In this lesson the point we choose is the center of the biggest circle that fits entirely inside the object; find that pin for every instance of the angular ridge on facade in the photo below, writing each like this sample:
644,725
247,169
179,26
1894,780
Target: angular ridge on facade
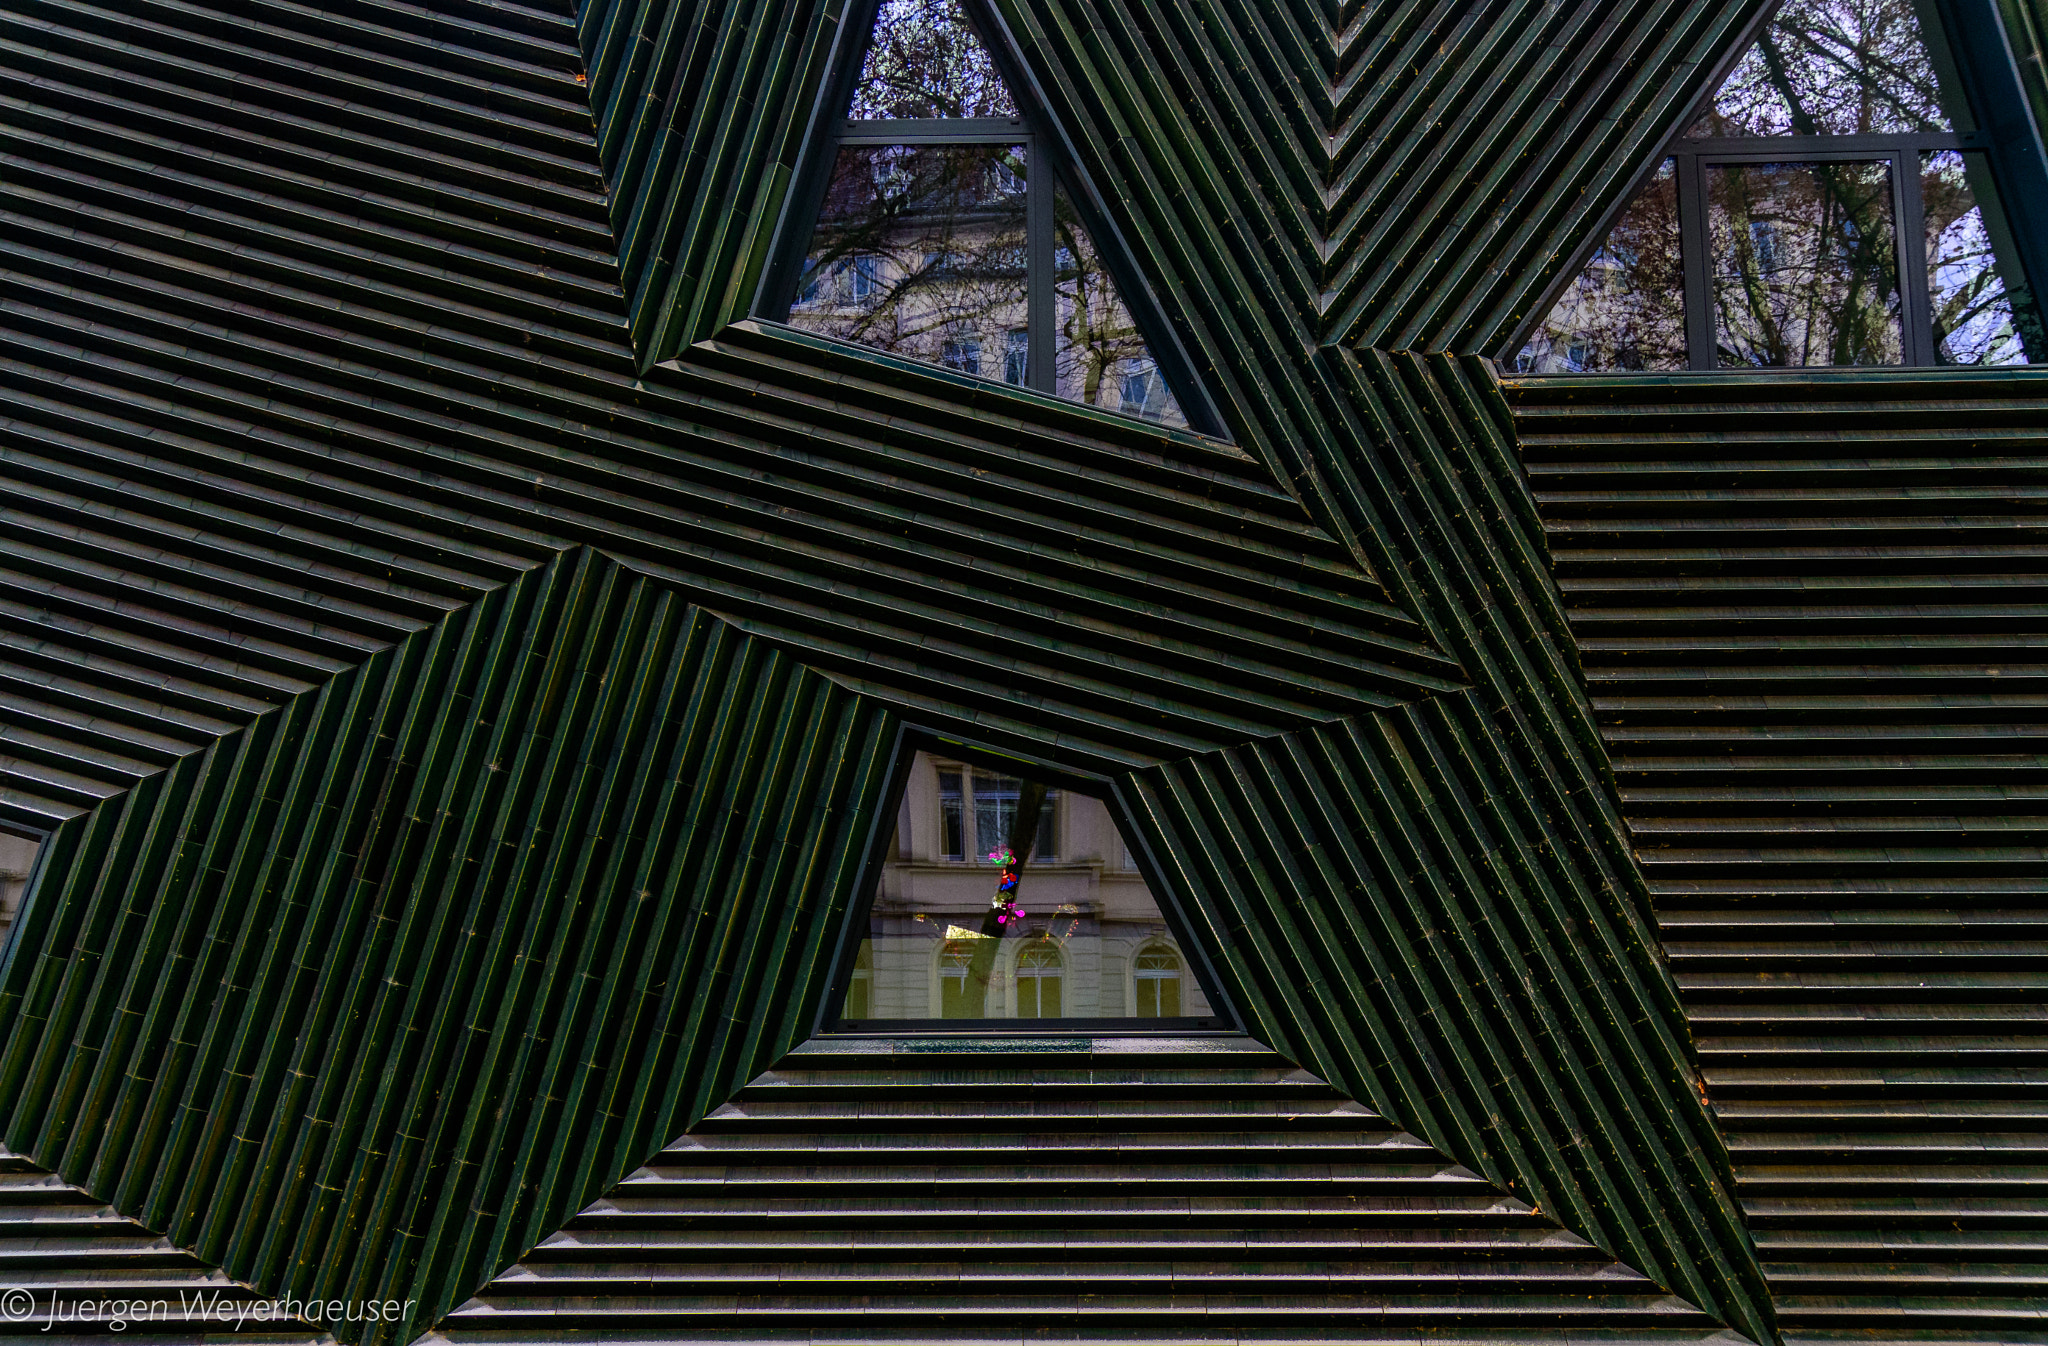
1403,923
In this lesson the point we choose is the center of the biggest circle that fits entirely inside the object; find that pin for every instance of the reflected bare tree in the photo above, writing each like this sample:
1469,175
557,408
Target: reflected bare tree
1976,319
1804,264
1831,68
1626,310
925,61
919,250
1101,357
924,249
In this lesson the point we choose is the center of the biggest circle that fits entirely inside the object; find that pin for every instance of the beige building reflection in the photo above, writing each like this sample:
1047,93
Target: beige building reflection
17,857
1092,942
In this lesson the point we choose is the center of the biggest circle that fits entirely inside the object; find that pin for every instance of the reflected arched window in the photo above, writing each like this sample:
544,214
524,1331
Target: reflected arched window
859,997
960,991
1155,983
1038,982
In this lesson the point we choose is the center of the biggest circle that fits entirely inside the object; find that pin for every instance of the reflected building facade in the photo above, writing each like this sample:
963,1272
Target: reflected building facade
943,234
1081,936
17,856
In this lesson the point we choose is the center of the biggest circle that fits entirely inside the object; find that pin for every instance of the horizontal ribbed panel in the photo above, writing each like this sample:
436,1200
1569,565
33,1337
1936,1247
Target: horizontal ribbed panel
83,1265
1809,610
371,995
1169,1190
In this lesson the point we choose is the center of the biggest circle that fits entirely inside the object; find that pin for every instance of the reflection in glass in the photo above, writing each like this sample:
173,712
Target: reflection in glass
1626,310
1038,980
1975,322
995,815
952,820
1078,936
17,858
1099,357
1804,266
962,993
919,250
1831,68
925,61
1156,979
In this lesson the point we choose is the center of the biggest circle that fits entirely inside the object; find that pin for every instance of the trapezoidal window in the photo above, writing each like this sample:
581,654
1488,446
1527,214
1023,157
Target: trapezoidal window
1004,904
1834,205
943,232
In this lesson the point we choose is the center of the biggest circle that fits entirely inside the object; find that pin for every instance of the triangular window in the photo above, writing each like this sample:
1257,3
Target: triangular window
1835,204
1003,903
944,234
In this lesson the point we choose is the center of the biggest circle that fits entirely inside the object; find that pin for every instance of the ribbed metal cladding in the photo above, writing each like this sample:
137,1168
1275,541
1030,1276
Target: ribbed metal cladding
1060,1190
1810,613
1370,173
369,997
313,333
1397,175
82,1265
1404,919
318,341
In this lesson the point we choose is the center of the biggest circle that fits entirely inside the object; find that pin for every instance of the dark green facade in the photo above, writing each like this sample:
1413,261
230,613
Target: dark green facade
457,657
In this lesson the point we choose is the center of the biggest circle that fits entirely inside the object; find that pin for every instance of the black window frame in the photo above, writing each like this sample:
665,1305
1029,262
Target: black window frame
1900,152
1049,164
1966,41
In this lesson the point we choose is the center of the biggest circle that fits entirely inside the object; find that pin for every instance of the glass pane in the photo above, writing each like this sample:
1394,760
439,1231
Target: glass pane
919,250
952,826
857,999
1831,68
1626,310
1805,265
1073,935
925,61
996,800
1100,357
1978,319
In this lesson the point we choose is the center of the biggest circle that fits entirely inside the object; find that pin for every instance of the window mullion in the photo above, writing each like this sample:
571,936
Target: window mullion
1909,211
1692,242
1039,275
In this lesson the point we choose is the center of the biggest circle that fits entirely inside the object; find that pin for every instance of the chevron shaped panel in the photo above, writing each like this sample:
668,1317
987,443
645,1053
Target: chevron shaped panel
373,993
